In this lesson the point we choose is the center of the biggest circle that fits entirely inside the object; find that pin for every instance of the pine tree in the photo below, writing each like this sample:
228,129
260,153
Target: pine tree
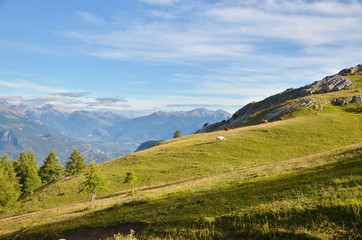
93,181
76,163
131,178
51,170
27,170
9,183
177,134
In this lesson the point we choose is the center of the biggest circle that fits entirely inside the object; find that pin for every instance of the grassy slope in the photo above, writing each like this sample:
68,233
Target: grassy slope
315,197
199,155
271,194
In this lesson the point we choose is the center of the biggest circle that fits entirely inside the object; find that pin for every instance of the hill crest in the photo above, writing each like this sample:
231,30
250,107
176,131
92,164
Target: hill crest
275,106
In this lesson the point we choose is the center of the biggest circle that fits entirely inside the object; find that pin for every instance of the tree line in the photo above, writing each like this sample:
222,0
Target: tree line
23,176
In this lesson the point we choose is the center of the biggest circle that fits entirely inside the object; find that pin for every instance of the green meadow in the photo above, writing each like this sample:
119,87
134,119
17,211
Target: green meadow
298,178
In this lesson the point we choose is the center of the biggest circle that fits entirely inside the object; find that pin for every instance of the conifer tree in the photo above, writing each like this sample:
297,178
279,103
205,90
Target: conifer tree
9,183
27,170
177,134
51,170
76,163
93,181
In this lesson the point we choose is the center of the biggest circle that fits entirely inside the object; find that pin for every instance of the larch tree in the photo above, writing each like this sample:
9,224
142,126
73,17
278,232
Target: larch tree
93,181
27,170
131,179
9,183
76,163
51,170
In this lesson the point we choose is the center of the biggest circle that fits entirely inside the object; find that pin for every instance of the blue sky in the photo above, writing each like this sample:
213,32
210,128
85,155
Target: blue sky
140,56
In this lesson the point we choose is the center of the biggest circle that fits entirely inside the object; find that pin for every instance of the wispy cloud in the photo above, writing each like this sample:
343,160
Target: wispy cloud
22,84
108,102
89,17
11,97
230,30
46,49
160,2
72,94
282,44
158,42
304,23
43,100
111,100
39,95
231,52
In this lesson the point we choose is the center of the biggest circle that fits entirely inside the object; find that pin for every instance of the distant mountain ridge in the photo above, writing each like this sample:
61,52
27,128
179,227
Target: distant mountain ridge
162,125
147,144
97,135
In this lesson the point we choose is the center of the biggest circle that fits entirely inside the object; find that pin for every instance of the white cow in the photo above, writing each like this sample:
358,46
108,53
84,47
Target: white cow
220,138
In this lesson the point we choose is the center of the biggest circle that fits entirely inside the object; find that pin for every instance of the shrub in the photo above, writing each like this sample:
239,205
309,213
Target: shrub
119,236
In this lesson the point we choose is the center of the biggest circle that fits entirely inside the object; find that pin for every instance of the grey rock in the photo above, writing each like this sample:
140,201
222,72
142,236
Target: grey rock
346,100
351,71
329,84
355,99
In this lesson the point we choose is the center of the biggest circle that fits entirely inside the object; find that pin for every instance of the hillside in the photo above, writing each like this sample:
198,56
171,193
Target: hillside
311,96
299,178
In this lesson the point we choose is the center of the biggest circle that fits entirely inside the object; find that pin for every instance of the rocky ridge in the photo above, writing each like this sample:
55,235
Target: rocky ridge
280,104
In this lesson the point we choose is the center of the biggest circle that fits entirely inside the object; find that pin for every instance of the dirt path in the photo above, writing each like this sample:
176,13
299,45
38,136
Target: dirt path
101,233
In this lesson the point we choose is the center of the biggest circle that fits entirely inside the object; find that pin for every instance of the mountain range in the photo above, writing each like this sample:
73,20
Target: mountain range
97,135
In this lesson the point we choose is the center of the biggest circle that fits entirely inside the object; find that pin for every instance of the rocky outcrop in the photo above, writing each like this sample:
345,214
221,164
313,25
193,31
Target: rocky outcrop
345,100
285,108
277,105
328,84
357,70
